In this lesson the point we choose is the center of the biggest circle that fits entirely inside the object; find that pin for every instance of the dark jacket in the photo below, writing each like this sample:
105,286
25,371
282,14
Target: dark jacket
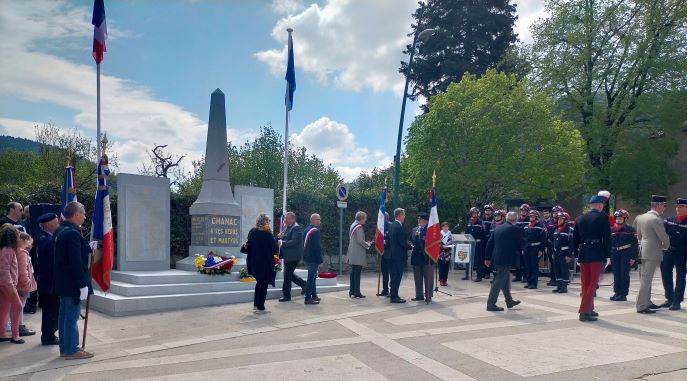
292,243
624,241
592,237
70,271
488,226
399,244
561,241
387,241
476,230
505,245
535,237
418,257
260,260
678,235
312,249
46,255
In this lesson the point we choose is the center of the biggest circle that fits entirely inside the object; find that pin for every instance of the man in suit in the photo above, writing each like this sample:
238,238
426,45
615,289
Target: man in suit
399,253
385,264
72,280
592,242
503,251
50,302
423,268
675,256
652,237
312,256
291,249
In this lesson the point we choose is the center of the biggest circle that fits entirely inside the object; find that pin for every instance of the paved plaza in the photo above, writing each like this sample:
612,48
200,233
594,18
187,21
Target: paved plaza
453,338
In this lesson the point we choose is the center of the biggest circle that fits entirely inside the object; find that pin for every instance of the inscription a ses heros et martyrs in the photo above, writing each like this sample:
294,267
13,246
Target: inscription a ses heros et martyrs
215,230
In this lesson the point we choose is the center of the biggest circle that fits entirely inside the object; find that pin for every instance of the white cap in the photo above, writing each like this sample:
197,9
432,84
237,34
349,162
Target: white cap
605,194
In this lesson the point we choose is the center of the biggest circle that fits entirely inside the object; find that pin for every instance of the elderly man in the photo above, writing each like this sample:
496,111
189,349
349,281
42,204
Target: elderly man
14,213
71,278
50,302
312,256
592,243
291,249
653,239
503,250
675,256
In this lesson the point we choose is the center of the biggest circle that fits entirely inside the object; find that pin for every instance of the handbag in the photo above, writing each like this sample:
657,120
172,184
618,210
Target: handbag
245,248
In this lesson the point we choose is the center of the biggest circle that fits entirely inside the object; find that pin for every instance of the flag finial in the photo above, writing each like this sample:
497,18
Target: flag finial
434,178
290,30
69,156
103,143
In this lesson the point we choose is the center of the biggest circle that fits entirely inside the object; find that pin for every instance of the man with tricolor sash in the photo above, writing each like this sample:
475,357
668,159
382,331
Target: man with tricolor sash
312,256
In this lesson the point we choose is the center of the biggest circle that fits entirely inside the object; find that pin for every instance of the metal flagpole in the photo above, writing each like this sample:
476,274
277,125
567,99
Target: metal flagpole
286,159
97,134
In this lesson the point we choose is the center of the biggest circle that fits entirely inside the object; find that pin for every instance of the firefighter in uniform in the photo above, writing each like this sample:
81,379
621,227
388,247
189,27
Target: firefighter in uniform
624,249
562,251
477,231
550,223
535,244
675,256
523,220
488,227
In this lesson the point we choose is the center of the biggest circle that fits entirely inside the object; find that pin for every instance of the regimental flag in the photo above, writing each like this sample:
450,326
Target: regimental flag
68,188
290,77
99,31
433,238
381,219
101,231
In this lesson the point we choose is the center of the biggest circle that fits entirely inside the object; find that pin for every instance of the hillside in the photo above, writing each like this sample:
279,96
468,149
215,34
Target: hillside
18,144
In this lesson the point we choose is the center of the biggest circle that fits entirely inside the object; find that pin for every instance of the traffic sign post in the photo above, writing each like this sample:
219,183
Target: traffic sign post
342,195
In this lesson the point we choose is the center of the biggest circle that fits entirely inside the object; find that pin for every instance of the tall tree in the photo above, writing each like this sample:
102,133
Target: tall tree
601,57
490,139
471,36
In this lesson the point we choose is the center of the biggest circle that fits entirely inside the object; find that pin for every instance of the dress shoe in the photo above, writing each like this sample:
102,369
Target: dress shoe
383,293
563,290
80,355
312,301
614,297
23,331
494,308
52,341
417,299
398,300
621,298
512,303
465,278
478,279
285,299
675,306
654,307
360,296
587,317
17,341
646,311
666,304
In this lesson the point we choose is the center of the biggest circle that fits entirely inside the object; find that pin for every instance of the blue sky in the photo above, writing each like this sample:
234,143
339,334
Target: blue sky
164,58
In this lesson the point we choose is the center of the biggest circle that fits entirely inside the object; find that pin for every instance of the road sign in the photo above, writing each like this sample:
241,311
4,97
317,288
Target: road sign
342,204
342,192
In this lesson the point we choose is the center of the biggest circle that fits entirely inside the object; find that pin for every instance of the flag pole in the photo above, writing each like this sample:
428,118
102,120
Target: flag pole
97,134
286,130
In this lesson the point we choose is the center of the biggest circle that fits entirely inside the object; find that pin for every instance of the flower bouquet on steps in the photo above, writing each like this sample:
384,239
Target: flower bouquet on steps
213,264
245,277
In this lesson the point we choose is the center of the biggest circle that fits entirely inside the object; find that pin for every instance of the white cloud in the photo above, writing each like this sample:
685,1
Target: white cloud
528,12
353,44
131,115
335,144
18,128
287,7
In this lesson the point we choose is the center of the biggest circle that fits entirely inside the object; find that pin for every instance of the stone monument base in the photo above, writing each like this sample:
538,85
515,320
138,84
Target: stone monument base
139,292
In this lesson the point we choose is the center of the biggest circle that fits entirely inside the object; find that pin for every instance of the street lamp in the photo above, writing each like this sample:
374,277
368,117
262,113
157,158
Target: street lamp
422,36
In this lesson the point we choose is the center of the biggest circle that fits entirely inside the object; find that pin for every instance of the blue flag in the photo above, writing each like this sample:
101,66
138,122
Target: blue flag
290,77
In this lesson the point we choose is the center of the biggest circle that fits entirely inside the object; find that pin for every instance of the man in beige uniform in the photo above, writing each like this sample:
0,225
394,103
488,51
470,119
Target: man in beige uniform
653,239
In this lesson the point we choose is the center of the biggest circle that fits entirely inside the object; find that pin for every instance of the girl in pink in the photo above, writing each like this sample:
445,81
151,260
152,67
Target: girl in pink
26,282
9,298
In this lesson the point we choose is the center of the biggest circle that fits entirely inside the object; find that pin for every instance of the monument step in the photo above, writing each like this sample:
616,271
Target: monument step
117,305
180,277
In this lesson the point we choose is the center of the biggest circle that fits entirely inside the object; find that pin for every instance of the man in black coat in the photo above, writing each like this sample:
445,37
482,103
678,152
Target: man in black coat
312,256
503,251
72,280
50,302
592,243
423,268
291,249
399,253
675,257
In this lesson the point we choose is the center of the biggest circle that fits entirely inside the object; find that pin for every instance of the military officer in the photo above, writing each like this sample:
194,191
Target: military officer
535,244
562,251
487,227
423,267
549,220
476,229
624,249
675,256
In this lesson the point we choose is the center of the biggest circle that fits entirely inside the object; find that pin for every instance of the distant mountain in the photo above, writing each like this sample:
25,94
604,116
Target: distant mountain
18,144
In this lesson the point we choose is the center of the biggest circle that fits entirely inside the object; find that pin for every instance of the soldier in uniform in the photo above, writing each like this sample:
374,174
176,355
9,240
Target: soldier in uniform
49,301
561,239
549,221
423,268
476,229
523,220
499,219
675,256
624,249
535,244
487,227
592,243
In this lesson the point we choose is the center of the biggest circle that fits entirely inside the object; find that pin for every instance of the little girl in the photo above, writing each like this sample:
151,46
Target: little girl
26,282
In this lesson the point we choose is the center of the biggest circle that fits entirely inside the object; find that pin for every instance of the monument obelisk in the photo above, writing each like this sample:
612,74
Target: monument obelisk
215,215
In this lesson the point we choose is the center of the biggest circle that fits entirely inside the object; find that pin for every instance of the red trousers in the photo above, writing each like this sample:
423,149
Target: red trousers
589,277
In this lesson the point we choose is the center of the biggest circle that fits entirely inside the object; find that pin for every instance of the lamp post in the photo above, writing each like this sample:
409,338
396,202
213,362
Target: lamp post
423,35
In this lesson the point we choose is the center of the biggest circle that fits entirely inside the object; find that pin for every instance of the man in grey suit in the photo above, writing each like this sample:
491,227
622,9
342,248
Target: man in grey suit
291,249
503,250
652,237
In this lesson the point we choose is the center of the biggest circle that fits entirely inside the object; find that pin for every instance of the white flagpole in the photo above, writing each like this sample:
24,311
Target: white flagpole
97,134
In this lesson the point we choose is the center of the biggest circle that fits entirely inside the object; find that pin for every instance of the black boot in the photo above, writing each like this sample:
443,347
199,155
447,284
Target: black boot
564,288
558,285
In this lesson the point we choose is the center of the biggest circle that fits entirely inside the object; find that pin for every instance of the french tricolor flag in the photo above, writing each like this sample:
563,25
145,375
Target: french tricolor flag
99,31
433,239
101,230
381,219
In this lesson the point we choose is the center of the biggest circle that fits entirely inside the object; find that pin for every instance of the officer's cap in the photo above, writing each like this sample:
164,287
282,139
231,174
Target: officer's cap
423,216
658,199
681,201
47,217
596,199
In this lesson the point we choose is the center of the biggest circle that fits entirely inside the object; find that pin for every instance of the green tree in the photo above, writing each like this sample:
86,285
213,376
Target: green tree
489,139
471,36
599,58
